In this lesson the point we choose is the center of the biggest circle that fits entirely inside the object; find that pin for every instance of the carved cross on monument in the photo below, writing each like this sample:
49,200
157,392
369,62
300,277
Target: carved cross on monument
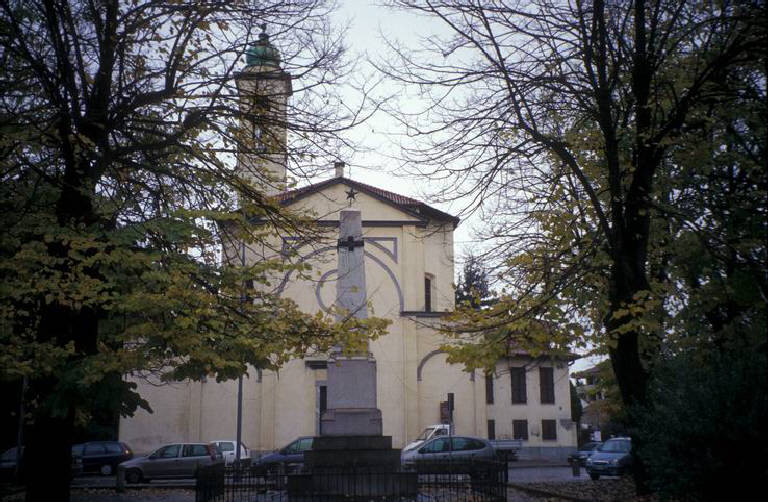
350,243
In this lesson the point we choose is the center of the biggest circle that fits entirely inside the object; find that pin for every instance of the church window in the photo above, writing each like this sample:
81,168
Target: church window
427,294
258,139
258,112
491,429
323,398
519,393
489,389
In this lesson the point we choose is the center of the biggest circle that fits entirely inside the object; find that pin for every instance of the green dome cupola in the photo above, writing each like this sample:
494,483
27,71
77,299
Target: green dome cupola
262,53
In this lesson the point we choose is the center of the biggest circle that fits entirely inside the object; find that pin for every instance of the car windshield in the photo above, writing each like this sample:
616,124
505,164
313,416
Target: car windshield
616,446
424,435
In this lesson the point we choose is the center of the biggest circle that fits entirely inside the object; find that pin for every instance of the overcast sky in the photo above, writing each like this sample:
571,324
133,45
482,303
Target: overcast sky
377,163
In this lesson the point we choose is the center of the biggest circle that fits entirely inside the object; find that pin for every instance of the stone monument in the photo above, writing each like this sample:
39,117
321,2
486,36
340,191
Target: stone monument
350,429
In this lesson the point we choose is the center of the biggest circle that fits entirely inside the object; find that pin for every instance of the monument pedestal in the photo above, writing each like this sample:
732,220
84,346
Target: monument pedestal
352,453
352,468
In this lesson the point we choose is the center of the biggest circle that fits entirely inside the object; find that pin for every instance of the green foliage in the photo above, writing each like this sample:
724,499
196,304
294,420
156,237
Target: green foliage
121,127
576,408
704,433
474,285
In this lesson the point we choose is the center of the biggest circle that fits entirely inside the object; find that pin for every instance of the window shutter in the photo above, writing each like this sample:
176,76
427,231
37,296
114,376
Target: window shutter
549,430
489,389
427,294
520,429
547,384
519,392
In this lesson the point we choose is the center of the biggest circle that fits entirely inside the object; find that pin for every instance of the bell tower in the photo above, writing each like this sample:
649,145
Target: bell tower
263,91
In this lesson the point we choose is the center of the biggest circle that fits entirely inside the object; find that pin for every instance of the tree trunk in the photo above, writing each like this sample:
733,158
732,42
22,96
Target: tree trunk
49,440
48,456
626,358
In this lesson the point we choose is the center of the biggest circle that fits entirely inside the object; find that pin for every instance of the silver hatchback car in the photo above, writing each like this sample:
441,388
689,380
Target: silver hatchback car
448,449
172,461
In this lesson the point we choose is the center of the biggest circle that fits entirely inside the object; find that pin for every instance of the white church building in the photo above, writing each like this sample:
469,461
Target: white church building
409,267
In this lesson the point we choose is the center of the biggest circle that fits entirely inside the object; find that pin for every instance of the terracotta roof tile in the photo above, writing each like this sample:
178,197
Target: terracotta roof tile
408,204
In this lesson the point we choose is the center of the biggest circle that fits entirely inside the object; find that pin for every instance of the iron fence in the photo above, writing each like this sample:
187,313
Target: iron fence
436,482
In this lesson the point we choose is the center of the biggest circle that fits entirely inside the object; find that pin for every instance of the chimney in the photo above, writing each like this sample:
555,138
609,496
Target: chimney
339,166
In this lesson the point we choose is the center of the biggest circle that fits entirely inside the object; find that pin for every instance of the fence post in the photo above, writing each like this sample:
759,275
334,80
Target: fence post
576,468
120,482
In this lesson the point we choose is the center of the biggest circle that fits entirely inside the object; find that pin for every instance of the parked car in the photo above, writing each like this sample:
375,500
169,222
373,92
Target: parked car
290,458
227,449
172,461
449,449
8,470
431,431
612,458
8,464
102,456
585,451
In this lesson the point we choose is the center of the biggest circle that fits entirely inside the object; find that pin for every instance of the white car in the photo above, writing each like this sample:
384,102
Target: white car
227,449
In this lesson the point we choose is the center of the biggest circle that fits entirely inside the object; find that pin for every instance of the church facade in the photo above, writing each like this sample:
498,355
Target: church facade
409,274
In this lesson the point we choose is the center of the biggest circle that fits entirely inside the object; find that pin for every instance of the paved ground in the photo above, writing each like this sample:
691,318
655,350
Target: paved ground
189,496
539,474
144,495
100,491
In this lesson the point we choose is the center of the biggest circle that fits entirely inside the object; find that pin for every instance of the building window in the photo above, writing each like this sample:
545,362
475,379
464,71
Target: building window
491,429
547,385
323,399
322,405
520,429
427,294
549,430
519,393
259,109
488,389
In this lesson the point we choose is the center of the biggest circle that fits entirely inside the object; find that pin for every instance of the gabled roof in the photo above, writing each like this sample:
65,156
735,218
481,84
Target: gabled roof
407,204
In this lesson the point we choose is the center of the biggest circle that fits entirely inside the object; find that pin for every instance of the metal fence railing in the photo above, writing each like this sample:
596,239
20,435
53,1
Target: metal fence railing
439,481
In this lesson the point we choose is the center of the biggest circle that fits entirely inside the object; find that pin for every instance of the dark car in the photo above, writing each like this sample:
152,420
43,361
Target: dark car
8,462
584,452
612,458
8,471
172,461
290,458
102,456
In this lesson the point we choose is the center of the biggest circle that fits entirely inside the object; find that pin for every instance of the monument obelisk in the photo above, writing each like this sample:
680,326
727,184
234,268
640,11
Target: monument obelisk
351,378
350,429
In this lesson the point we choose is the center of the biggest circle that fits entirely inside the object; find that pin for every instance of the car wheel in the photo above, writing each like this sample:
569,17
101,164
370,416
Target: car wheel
106,469
133,476
594,476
